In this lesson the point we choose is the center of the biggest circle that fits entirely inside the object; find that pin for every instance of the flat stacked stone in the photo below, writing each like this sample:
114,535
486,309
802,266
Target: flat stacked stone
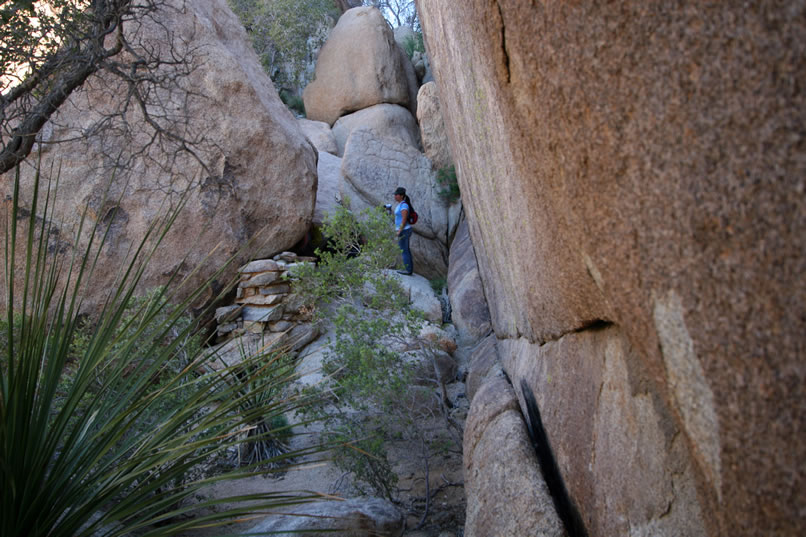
261,300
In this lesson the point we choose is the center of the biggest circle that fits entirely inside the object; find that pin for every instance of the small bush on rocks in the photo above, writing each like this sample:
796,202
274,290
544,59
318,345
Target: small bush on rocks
448,185
414,44
371,381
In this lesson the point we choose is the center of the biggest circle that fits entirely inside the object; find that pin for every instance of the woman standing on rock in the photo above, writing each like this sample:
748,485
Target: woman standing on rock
403,228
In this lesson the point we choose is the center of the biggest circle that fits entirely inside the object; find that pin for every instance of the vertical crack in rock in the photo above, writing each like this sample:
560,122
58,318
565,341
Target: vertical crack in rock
504,42
563,503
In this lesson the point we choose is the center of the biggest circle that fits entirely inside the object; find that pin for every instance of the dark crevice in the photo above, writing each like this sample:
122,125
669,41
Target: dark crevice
594,324
504,42
585,326
566,510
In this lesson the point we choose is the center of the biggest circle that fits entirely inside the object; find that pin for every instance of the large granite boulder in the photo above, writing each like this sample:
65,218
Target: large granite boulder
412,81
373,166
403,34
637,209
613,425
357,517
386,119
252,178
469,311
506,492
432,126
483,362
359,66
430,257
421,296
328,191
422,68
320,135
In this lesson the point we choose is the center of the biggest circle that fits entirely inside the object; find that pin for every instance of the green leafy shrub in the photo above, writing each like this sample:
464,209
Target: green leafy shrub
286,34
366,401
342,273
138,330
448,186
438,284
412,44
268,436
294,102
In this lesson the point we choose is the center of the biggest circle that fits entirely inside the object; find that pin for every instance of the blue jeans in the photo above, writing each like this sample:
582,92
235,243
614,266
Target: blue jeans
403,242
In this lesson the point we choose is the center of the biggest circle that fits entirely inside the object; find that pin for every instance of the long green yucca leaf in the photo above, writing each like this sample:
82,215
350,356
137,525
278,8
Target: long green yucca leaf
104,446
179,446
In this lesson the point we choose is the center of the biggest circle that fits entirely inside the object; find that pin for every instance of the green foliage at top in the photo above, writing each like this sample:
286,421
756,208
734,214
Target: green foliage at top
294,102
448,184
286,34
438,284
30,32
101,427
414,44
358,248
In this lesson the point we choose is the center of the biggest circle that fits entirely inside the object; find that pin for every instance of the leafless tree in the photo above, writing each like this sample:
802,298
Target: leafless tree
397,12
49,50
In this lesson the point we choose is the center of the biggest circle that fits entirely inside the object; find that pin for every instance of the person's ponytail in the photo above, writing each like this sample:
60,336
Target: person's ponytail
408,202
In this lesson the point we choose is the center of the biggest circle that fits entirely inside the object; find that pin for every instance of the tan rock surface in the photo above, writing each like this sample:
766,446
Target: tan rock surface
643,166
612,425
328,190
430,256
386,119
261,176
483,362
412,83
432,126
359,66
320,135
469,311
506,494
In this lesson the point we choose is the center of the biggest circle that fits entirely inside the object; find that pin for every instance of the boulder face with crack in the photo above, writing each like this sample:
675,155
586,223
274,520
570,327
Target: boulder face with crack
633,184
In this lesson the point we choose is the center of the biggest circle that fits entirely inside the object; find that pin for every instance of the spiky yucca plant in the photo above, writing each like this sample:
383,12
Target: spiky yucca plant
73,460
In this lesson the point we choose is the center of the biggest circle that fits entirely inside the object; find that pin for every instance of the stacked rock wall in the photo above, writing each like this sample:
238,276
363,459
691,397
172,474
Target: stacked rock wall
266,316
262,300
633,177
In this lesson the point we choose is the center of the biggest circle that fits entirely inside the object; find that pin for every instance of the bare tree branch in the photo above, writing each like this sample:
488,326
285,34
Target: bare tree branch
122,51
26,107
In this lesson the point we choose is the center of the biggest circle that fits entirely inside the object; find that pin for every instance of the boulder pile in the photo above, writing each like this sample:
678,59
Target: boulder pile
263,299
361,118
